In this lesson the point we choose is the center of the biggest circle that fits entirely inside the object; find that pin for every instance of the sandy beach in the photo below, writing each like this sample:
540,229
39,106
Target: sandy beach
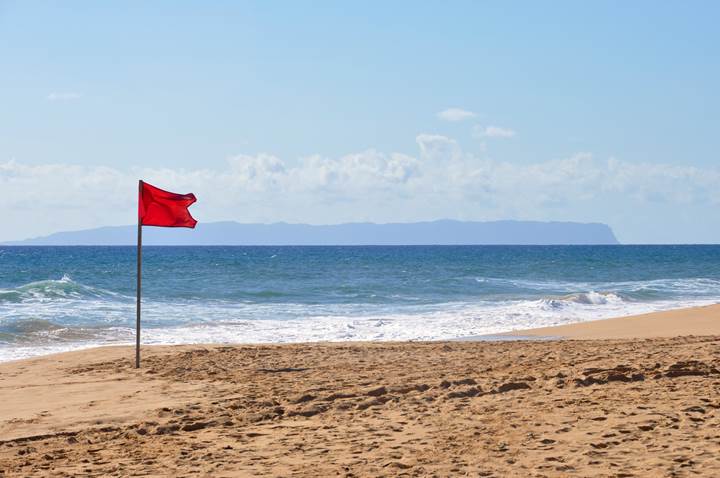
671,323
615,402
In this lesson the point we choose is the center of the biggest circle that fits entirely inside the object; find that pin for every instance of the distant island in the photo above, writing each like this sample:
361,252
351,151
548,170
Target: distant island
441,232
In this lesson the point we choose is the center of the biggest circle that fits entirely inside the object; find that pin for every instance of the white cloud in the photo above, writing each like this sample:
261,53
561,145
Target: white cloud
440,181
437,147
493,132
64,96
455,114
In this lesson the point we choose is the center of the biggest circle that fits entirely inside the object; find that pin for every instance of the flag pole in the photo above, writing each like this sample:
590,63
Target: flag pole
139,283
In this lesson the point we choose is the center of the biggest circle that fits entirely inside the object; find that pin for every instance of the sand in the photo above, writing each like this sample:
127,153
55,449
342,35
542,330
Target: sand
672,323
620,407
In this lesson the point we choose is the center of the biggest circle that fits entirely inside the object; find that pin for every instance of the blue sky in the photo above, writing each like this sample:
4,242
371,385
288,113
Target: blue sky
327,112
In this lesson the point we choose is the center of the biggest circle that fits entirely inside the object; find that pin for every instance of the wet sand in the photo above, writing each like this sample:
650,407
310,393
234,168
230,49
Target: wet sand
620,407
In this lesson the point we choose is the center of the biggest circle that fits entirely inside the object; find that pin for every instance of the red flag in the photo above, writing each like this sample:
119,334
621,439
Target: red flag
165,209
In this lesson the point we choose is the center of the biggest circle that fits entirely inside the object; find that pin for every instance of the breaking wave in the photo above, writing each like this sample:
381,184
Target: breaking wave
584,298
47,290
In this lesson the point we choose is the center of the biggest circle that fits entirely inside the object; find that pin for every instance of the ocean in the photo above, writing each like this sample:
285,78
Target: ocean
63,298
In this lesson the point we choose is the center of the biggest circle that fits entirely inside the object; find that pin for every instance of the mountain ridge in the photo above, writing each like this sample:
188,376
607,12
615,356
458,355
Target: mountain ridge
439,232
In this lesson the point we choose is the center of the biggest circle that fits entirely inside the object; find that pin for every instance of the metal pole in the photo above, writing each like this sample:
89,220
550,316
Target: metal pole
139,284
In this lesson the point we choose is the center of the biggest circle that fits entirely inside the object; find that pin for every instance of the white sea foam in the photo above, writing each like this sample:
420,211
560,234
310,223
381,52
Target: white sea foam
58,315
227,323
445,321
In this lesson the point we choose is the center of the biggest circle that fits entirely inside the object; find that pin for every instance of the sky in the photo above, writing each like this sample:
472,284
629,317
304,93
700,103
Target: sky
330,112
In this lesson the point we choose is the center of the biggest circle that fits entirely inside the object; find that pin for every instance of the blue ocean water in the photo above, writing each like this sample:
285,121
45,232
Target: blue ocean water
62,298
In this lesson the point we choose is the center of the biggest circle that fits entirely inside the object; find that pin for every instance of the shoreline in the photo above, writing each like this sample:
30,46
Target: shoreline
697,320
